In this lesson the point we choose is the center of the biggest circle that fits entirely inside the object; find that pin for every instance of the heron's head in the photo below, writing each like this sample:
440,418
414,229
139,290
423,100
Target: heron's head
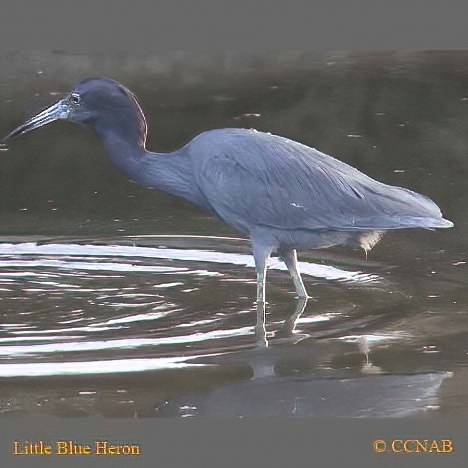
102,103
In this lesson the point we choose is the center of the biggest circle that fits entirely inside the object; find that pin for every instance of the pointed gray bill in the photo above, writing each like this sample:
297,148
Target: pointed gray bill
59,110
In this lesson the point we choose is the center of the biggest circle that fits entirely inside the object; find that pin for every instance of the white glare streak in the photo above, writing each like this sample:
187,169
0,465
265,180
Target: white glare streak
30,248
92,367
122,344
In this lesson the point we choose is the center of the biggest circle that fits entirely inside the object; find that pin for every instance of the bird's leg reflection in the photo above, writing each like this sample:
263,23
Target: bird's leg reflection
286,331
364,348
260,329
290,323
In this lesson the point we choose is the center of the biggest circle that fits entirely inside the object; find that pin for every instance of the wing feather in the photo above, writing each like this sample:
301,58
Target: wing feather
252,178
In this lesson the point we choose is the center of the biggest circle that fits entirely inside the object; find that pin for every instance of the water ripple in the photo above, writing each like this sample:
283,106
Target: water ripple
118,251
121,344
67,308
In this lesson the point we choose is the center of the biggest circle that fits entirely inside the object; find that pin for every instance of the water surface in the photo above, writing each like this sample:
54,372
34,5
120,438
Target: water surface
123,301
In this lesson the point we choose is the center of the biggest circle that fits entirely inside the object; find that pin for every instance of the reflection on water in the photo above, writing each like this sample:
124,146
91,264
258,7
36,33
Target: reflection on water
141,293
118,300
109,307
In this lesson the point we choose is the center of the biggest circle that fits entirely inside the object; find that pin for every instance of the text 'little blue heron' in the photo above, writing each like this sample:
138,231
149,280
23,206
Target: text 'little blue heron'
282,194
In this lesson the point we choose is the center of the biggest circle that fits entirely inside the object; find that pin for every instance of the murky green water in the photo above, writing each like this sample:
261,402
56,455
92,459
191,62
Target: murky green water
124,301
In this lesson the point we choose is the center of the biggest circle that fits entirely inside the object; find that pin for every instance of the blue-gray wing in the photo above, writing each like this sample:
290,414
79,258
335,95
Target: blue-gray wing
252,178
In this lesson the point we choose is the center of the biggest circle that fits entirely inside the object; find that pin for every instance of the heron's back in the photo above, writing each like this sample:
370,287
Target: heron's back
254,179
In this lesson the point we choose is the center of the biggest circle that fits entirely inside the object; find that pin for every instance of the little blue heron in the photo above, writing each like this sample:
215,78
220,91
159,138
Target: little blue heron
280,193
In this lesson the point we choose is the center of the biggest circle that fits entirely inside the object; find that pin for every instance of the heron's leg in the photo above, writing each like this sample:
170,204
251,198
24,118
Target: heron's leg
289,257
260,329
261,256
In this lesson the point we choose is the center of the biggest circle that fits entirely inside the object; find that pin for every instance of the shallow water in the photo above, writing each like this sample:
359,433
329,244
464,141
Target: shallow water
121,301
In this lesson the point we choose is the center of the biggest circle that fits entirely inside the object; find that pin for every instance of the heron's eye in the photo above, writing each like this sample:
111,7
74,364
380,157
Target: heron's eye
75,98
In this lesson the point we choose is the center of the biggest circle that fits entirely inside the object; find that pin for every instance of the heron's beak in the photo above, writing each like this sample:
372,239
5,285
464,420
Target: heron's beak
59,110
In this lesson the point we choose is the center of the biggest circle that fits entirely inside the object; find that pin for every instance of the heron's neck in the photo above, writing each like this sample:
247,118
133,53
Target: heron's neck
170,172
